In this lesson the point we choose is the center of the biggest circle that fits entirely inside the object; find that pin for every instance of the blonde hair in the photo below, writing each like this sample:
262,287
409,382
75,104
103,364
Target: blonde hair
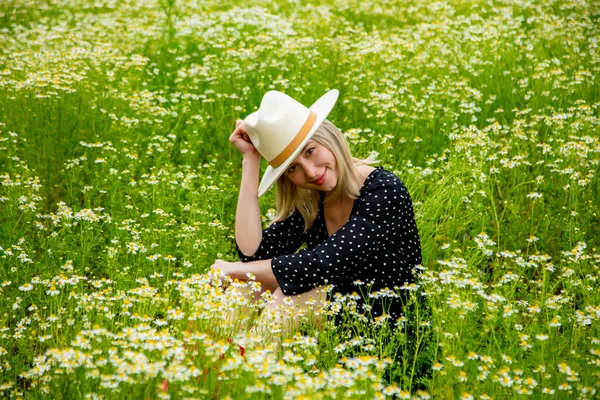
288,196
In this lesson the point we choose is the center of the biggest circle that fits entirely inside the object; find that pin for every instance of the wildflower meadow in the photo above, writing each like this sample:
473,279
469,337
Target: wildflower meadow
119,186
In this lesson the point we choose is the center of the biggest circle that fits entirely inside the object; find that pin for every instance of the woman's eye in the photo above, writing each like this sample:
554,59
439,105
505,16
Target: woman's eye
291,169
309,151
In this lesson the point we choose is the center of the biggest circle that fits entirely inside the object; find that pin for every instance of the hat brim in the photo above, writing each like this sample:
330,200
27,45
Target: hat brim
321,108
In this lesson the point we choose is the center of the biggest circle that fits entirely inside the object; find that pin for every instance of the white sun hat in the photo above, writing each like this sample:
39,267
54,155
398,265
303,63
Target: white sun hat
281,128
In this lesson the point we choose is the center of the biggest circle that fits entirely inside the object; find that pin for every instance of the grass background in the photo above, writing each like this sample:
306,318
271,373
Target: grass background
114,119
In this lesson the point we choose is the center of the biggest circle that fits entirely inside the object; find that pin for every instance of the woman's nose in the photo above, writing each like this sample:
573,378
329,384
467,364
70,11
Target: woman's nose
309,169
312,174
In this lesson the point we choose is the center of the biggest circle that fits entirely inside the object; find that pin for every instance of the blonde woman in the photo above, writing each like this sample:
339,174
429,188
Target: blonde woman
357,221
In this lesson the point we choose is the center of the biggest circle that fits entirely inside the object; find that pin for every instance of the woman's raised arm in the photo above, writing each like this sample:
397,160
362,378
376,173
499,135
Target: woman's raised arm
248,228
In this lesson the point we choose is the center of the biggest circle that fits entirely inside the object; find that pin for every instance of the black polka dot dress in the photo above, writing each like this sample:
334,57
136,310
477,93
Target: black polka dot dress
378,248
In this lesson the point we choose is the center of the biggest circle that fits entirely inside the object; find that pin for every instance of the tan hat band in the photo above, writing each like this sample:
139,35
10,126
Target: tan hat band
300,136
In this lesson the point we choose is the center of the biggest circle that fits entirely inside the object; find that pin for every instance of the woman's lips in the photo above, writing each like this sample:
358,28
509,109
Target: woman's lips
321,179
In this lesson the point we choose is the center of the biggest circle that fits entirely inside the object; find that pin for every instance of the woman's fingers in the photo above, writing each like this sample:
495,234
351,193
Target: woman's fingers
240,133
240,129
216,266
235,135
221,265
241,140
218,269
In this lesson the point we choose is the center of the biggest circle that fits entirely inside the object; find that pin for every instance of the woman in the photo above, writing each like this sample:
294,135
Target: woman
357,221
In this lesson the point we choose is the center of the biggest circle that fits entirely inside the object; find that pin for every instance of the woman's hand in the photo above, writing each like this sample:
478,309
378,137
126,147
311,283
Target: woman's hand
230,269
240,139
259,270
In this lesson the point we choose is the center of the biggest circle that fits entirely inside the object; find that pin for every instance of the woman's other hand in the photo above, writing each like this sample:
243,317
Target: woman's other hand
227,268
240,139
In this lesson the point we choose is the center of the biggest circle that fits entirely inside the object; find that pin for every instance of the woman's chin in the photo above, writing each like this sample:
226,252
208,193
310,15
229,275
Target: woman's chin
321,188
326,188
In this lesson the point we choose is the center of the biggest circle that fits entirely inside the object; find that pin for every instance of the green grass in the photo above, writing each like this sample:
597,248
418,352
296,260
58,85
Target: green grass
118,191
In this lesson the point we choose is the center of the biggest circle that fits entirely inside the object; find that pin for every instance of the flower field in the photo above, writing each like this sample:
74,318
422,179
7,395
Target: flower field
119,186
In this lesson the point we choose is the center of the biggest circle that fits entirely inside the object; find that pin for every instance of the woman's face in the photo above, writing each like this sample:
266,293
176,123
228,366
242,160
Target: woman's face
315,168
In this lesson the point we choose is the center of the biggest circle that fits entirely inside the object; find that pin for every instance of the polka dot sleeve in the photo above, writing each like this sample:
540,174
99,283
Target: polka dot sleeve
381,217
283,237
